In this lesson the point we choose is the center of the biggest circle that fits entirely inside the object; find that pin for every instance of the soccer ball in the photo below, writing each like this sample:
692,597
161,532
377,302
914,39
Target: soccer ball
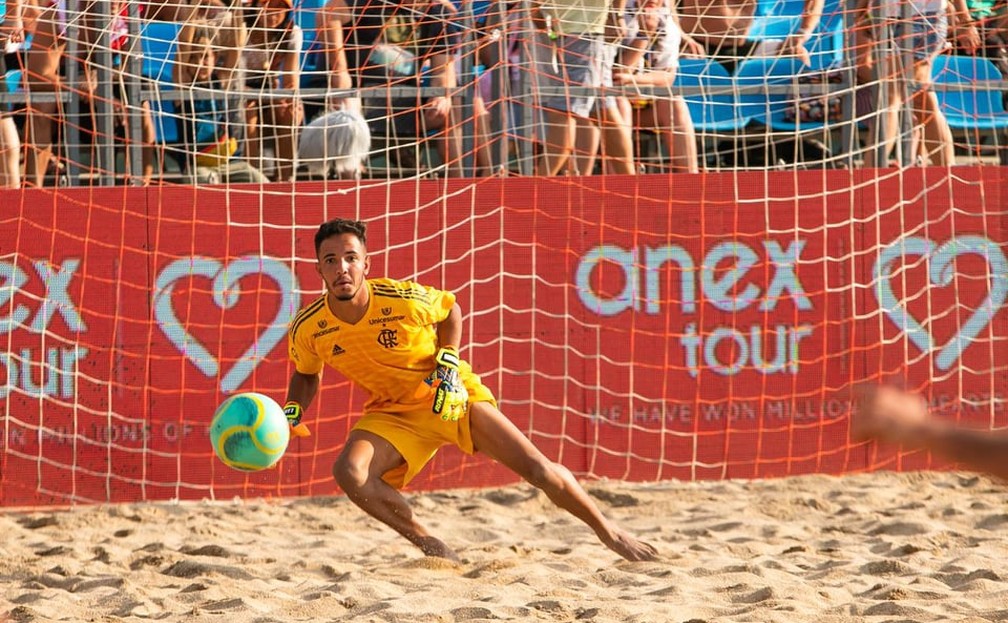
249,432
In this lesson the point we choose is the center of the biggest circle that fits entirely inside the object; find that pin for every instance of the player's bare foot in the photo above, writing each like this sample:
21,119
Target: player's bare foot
432,546
630,548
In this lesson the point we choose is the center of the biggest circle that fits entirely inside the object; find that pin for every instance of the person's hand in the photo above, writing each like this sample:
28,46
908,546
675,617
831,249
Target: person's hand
969,38
450,395
691,47
888,414
12,29
623,78
795,46
89,83
290,109
436,111
293,412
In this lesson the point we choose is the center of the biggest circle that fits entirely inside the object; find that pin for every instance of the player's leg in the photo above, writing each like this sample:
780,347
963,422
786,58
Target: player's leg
497,437
359,469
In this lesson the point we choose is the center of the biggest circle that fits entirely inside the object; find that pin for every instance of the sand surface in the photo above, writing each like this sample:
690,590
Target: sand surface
875,547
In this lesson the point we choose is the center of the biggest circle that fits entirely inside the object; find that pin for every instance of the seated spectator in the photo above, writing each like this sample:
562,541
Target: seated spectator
722,28
926,34
270,57
11,32
212,127
652,60
390,43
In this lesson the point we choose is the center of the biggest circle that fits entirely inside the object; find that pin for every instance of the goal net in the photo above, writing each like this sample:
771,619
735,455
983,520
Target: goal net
641,324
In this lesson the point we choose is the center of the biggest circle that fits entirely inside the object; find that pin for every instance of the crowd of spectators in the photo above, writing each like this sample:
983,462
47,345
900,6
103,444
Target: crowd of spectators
601,74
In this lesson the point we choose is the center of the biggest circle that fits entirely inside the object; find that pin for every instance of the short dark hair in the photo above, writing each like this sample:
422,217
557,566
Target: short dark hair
339,226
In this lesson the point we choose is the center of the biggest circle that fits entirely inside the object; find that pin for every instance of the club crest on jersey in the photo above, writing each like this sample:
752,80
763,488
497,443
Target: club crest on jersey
337,349
322,323
386,311
388,338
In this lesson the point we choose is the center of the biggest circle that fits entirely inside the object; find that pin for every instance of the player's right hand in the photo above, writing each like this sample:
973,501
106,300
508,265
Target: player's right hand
293,412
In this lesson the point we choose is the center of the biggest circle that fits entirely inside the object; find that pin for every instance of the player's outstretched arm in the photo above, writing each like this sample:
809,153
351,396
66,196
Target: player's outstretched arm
300,392
892,415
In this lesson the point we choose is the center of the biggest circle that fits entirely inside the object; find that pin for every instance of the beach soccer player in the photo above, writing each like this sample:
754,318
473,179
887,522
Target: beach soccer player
400,341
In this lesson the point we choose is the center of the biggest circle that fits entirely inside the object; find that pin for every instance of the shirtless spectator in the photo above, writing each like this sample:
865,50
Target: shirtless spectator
722,28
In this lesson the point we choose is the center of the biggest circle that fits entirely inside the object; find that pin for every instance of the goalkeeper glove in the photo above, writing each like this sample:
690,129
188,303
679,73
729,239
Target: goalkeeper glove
293,412
450,395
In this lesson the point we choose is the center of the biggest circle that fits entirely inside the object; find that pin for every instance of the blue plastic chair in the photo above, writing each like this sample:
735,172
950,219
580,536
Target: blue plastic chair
159,42
974,108
710,111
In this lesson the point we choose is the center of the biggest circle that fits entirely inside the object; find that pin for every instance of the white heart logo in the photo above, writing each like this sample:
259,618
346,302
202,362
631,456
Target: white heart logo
942,273
226,293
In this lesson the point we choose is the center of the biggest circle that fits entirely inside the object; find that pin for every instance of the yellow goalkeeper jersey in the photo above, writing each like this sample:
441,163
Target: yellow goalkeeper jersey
389,352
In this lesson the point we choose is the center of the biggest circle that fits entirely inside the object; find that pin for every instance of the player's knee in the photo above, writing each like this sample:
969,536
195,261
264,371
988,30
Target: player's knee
350,475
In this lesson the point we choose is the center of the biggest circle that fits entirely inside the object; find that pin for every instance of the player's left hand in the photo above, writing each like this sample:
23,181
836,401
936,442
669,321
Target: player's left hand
450,395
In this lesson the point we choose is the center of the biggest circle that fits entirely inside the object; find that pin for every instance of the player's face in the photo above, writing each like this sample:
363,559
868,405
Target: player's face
343,264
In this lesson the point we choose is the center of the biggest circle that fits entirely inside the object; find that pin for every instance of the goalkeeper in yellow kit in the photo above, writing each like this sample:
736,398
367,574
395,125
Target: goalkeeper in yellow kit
399,341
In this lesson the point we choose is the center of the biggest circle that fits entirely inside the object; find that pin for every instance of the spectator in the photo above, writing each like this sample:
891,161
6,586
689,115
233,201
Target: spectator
212,127
270,57
11,33
100,29
571,54
43,59
612,126
652,60
722,28
388,43
925,33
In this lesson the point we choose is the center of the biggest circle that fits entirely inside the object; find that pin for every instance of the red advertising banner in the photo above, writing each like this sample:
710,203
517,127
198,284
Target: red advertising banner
641,328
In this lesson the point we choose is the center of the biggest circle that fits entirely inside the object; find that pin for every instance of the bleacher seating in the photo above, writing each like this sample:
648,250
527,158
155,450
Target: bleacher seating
974,108
977,111
714,108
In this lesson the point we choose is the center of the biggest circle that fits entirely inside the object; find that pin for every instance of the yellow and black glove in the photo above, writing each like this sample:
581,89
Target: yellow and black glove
450,396
293,412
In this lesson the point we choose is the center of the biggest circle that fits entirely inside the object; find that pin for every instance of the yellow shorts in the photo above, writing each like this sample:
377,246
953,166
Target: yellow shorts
417,433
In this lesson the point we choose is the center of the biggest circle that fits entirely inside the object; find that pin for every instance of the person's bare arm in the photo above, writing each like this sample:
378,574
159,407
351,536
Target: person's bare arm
895,416
333,17
12,28
449,330
961,22
794,45
302,388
